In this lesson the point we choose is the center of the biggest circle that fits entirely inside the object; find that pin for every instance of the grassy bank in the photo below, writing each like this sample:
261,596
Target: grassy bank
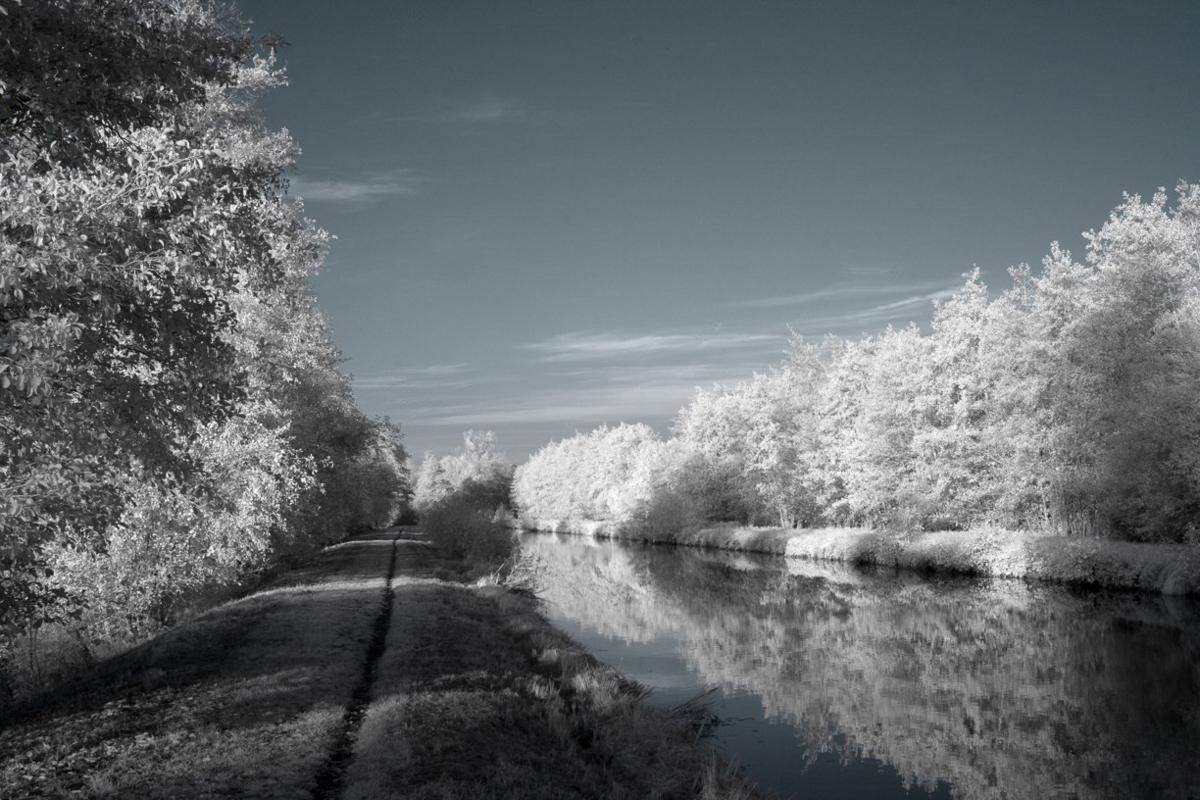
477,695
244,700
1167,568
382,670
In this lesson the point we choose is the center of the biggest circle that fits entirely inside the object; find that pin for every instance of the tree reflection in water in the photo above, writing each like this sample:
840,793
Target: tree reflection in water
998,688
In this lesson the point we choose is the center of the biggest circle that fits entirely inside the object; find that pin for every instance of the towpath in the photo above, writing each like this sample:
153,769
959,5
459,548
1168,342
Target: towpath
256,698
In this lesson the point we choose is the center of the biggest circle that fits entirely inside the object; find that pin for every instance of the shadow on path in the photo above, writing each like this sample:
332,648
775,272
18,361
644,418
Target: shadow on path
330,777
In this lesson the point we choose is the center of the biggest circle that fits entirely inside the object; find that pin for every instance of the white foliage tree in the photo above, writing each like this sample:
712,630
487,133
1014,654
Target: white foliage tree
477,462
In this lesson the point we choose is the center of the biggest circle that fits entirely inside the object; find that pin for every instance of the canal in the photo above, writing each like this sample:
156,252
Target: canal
838,682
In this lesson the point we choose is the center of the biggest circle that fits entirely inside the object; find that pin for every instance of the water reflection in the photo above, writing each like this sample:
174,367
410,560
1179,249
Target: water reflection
996,688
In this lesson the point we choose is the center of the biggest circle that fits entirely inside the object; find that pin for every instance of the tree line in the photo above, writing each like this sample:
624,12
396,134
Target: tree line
172,410
1064,404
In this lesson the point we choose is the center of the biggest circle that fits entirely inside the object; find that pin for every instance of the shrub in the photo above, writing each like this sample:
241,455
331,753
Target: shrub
463,529
667,513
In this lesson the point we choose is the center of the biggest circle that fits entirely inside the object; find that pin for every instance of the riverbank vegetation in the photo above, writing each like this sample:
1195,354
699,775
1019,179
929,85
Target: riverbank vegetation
1172,569
1063,406
464,525
174,418
462,500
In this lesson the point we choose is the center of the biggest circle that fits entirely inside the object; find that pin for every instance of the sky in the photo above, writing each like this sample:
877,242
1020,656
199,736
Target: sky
552,215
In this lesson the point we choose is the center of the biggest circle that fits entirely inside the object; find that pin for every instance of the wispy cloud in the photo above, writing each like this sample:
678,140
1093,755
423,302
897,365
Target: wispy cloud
844,291
857,320
604,393
434,376
872,271
582,405
346,191
917,300
479,111
687,375
579,346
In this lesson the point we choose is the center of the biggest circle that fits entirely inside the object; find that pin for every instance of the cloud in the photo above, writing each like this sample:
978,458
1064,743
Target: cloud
678,374
435,376
480,111
402,184
584,405
579,346
856,320
857,305
490,110
611,393
915,300
835,292
875,271
439,369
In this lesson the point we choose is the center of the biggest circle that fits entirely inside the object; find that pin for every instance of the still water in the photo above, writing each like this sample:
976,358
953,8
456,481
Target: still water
835,682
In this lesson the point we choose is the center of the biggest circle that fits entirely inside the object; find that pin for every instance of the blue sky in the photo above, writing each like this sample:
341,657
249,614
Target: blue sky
556,214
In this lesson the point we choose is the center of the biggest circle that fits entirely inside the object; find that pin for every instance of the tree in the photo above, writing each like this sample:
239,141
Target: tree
170,399
476,463
119,224
1068,403
1127,432
606,475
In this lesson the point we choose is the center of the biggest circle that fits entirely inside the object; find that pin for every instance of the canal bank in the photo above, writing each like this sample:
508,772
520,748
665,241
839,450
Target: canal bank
1172,569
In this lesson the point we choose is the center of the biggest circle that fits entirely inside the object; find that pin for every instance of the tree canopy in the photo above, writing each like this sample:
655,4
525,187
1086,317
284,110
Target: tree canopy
172,408
1066,403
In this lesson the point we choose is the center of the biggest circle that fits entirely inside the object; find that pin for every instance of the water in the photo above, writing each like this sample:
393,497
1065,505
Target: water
836,682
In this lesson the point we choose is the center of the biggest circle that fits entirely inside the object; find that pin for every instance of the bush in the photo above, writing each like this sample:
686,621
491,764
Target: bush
465,530
667,513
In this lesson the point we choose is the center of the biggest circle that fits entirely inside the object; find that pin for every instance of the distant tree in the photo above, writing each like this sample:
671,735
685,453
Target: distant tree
955,461
477,463
605,475
1067,403
430,483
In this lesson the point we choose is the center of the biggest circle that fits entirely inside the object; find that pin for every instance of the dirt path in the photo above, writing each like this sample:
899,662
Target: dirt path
248,700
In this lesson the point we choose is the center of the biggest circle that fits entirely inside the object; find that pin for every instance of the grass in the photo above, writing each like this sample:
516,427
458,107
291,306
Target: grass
1166,568
478,696
474,695
241,701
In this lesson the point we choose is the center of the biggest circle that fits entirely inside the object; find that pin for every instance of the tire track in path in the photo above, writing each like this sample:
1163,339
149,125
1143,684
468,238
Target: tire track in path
333,772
